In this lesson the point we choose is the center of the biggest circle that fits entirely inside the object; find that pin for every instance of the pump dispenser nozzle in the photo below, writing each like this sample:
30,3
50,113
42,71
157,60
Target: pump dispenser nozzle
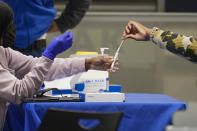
103,50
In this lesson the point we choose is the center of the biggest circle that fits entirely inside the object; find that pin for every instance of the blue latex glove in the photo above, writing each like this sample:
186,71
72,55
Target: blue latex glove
58,45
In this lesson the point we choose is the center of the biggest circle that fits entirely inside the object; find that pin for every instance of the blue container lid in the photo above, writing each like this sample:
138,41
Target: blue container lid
79,86
115,88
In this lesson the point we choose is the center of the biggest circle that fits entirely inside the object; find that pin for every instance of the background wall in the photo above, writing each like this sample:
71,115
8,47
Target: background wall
144,68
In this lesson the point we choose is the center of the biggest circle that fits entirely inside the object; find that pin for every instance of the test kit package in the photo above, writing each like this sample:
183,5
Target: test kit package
102,97
92,81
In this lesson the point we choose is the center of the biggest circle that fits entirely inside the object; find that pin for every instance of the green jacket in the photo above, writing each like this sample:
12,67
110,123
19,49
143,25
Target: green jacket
176,43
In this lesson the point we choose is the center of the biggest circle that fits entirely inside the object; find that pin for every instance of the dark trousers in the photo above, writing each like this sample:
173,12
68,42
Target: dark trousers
35,49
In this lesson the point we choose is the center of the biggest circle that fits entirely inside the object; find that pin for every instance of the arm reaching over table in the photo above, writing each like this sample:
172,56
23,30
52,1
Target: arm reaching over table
176,43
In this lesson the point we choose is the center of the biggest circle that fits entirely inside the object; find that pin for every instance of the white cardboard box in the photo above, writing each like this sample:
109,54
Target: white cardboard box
103,97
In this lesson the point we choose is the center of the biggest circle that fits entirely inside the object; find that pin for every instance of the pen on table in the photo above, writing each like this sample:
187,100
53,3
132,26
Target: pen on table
116,55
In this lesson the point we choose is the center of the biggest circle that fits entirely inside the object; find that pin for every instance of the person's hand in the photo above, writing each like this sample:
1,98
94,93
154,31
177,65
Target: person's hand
101,63
53,27
136,31
58,45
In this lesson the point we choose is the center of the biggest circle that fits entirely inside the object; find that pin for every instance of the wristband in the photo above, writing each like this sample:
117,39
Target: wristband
152,33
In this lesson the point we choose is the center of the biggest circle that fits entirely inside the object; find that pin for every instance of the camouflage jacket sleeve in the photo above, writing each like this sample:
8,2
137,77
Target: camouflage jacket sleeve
176,43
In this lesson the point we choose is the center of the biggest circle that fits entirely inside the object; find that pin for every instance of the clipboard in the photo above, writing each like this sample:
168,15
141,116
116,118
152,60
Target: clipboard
52,99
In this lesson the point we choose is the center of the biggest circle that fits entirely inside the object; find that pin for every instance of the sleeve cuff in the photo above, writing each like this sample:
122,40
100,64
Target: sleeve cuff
79,64
61,25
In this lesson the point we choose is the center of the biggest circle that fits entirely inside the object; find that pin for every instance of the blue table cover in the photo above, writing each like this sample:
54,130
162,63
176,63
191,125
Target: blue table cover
142,112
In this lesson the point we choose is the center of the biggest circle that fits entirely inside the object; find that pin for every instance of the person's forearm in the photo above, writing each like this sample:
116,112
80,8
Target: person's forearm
176,43
72,15
88,63
65,67
14,89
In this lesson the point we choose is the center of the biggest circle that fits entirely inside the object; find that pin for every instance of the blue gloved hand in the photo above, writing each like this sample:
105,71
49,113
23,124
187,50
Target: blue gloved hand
58,45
